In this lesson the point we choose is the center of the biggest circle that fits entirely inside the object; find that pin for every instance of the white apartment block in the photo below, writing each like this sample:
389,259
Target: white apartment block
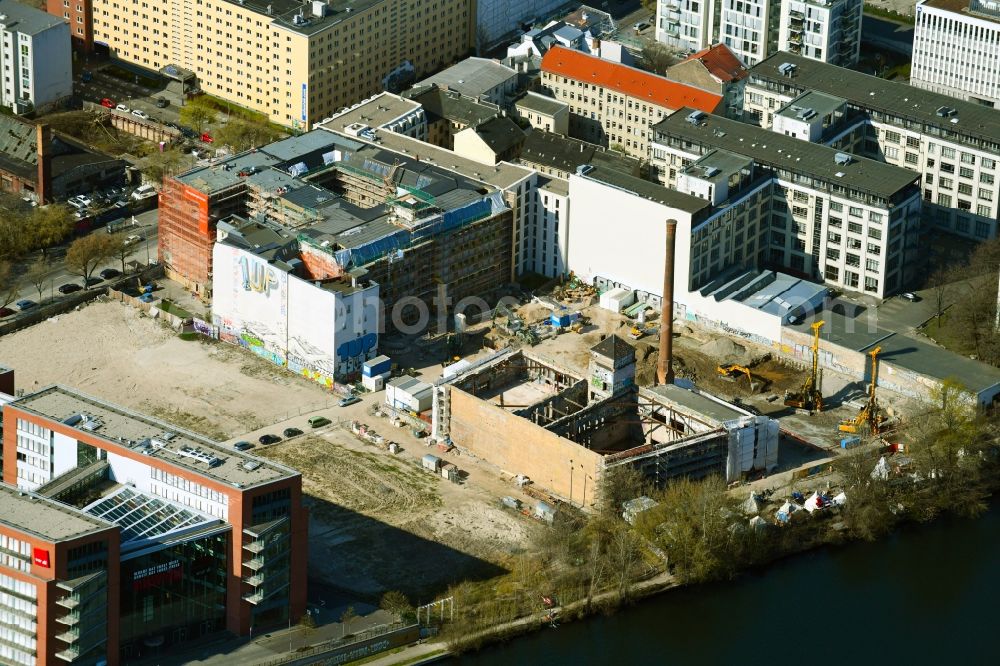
953,145
612,104
749,28
35,58
686,24
827,30
956,49
848,221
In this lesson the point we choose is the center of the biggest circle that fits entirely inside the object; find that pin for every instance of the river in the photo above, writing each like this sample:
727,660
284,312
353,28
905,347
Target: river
924,595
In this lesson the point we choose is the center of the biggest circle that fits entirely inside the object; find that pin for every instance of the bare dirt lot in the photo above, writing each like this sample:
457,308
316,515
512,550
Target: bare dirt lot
380,522
116,353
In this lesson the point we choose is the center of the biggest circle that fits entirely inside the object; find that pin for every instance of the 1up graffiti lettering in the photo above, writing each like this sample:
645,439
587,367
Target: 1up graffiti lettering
258,277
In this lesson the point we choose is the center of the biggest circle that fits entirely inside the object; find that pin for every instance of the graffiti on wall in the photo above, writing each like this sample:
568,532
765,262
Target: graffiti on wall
258,276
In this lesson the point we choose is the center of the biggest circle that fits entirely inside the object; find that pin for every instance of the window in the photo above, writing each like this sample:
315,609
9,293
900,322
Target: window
988,164
834,205
964,188
855,212
875,217
871,265
982,229
854,227
850,279
986,178
892,137
965,172
946,183
832,253
853,259
968,158
947,153
871,284
944,200
891,153
912,158
832,273
874,248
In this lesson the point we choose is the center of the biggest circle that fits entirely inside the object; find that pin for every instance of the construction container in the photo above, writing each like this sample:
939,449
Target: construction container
431,462
393,447
408,394
544,511
617,298
380,365
848,442
511,503
373,383
450,472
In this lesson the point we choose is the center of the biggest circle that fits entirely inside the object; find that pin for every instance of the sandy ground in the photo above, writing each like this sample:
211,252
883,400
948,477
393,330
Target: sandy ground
112,351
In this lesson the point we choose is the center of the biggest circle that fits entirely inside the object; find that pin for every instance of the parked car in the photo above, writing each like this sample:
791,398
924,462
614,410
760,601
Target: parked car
268,439
6,312
110,273
242,445
87,76
910,296
144,192
642,25
133,239
162,103
25,304
69,288
138,113
318,421
107,103
349,400
188,132
123,108
291,432
91,281
79,202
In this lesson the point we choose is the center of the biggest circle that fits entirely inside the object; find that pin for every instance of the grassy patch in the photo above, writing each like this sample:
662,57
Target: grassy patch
945,334
172,308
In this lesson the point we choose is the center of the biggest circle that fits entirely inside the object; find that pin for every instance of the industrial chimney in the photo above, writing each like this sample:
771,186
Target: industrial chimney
664,366
43,146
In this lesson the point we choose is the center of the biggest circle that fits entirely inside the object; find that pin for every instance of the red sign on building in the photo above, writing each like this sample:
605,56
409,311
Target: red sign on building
42,557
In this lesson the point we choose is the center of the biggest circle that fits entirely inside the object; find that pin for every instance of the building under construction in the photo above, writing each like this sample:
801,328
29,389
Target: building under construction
530,417
416,228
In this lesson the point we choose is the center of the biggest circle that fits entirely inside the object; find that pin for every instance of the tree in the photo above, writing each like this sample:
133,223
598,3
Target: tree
941,284
197,114
121,248
396,603
345,619
10,284
38,274
51,225
241,134
619,485
87,253
656,58
159,164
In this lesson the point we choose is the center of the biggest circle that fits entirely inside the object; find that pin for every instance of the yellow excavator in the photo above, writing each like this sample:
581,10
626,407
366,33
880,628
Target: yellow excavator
871,417
809,397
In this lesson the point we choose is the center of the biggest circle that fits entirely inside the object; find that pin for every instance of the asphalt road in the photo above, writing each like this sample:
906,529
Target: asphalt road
146,226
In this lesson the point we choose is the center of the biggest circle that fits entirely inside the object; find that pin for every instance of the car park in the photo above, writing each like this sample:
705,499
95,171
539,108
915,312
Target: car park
268,439
349,400
242,445
318,421
110,273
123,108
291,432
6,312
107,103
69,288
26,304
140,114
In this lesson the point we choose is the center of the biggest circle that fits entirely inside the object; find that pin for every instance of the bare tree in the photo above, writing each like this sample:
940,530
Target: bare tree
941,285
345,619
657,58
10,283
87,253
39,273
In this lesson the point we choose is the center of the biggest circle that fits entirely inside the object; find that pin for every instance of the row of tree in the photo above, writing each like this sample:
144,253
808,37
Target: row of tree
25,229
240,132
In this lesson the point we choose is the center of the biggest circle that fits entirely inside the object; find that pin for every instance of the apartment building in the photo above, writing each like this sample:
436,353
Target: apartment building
139,533
850,221
717,70
825,30
612,104
956,49
296,62
34,58
954,145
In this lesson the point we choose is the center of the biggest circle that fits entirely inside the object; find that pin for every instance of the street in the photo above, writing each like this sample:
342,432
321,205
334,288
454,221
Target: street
143,252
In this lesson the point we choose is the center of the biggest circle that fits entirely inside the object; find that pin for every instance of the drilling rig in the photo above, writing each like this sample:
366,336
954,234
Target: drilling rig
871,417
809,397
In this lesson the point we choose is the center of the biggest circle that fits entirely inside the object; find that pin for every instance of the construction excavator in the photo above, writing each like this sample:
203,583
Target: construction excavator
809,397
871,418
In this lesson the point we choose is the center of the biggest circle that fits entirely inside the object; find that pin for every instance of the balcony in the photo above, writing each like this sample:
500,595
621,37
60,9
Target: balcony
254,546
255,581
70,601
255,564
254,598
70,654
70,636
69,619
796,15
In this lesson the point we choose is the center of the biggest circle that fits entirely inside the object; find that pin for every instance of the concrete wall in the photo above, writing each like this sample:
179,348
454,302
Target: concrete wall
518,446
52,75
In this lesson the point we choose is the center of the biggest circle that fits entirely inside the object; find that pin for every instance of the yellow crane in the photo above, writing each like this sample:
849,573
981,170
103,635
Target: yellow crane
809,397
870,416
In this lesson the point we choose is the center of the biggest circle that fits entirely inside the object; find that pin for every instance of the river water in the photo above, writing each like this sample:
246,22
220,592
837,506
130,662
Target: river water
926,595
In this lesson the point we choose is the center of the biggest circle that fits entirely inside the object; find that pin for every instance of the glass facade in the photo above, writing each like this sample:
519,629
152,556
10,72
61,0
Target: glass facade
173,595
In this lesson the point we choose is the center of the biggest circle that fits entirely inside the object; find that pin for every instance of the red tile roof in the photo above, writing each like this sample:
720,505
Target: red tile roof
627,80
721,63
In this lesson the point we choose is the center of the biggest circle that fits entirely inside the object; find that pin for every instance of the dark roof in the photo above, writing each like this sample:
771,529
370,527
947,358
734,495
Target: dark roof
614,347
892,98
449,104
650,190
777,151
500,134
556,151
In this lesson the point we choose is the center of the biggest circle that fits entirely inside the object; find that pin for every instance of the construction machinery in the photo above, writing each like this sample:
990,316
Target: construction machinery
510,323
809,397
733,372
641,329
871,417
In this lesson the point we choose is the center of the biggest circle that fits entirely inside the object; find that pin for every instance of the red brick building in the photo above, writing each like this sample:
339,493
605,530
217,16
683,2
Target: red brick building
210,538
80,15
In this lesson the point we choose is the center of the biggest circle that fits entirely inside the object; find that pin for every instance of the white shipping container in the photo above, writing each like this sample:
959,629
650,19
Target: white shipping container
616,299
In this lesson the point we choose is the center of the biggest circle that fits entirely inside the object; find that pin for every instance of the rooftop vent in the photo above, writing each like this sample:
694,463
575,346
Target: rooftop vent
695,117
251,465
711,171
805,114
787,69
584,169
198,455
842,158
946,112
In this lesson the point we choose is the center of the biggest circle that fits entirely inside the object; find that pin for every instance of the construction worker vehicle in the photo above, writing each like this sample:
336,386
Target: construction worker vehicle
809,397
734,372
640,330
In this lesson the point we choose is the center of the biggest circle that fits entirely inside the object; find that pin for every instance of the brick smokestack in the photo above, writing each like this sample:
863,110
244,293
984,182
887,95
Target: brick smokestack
665,366
43,141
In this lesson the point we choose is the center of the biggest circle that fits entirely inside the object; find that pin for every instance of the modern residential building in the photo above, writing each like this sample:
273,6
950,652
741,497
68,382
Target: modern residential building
956,49
34,58
717,70
296,62
481,79
827,30
612,104
953,144
40,167
543,113
825,215
140,533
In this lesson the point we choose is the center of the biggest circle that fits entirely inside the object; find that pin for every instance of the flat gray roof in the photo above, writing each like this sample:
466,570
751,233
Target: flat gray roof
375,112
647,190
966,8
819,102
724,162
778,151
472,76
26,19
891,98
152,437
49,520
698,404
